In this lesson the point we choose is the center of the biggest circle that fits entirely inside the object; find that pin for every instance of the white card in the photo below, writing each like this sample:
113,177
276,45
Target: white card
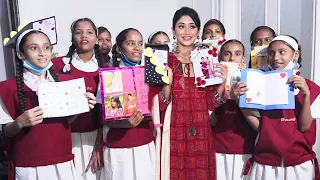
267,89
48,26
61,99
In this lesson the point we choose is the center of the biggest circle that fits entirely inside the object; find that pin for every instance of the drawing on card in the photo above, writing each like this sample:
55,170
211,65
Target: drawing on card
48,26
60,99
259,57
203,59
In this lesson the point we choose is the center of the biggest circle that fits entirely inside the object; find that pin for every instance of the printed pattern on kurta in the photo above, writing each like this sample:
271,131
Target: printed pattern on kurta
191,157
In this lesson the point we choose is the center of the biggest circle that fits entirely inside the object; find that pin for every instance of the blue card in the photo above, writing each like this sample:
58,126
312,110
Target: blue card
267,90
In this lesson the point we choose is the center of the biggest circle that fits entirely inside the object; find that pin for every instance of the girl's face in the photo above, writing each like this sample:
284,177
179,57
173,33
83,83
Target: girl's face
160,39
262,37
132,46
114,104
280,54
232,52
130,97
37,50
84,37
185,31
105,43
213,32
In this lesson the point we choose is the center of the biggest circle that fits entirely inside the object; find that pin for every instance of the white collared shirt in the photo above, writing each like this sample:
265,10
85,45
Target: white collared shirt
32,80
89,66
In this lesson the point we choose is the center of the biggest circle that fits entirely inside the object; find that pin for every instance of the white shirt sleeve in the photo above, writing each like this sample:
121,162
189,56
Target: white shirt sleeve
98,95
315,108
4,114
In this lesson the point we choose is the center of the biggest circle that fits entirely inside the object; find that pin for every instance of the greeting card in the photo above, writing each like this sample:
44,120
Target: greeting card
156,59
267,90
123,91
60,99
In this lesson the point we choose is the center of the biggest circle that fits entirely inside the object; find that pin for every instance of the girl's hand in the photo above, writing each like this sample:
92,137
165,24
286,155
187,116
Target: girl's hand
136,118
222,73
91,99
300,83
30,118
94,163
239,89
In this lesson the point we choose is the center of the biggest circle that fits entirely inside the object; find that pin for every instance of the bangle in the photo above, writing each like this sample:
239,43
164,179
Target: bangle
219,98
163,99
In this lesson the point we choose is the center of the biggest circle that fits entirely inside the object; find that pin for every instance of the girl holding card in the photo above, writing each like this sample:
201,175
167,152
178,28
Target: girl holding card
261,36
159,37
83,60
233,136
105,43
129,151
284,148
31,141
185,148
213,30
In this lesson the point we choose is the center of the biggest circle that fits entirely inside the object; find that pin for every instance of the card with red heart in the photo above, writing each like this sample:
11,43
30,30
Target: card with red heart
48,26
267,90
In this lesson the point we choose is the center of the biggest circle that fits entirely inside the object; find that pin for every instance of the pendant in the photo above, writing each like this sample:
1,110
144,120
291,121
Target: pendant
193,131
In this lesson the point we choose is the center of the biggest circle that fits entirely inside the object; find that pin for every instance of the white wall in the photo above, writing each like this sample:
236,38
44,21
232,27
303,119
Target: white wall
145,15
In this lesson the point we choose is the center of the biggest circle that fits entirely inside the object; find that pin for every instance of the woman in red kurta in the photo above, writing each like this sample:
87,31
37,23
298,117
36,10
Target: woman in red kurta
187,151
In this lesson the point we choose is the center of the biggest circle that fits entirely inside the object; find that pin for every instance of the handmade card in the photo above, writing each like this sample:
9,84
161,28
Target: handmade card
234,74
203,59
259,57
48,26
267,90
123,91
156,59
60,99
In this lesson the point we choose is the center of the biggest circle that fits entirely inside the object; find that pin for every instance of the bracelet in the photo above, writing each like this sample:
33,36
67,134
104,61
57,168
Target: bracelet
219,98
163,99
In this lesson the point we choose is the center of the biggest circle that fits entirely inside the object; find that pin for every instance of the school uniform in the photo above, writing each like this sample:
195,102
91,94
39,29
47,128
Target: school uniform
41,152
129,153
234,140
282,152
85,127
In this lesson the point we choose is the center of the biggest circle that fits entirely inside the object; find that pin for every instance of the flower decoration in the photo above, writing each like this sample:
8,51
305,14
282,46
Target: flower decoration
225,67
213,51
201,81
220,42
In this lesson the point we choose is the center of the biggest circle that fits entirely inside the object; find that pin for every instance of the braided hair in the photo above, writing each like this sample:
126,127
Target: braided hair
73,47
116,56
19,72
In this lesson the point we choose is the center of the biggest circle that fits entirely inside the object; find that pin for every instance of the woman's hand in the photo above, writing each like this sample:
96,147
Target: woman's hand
221,72
239,89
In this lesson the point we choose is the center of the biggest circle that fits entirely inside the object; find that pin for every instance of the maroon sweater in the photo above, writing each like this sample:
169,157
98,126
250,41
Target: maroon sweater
44,144
89,121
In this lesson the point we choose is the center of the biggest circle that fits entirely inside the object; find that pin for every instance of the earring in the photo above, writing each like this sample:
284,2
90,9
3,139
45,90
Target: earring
197,42
175,45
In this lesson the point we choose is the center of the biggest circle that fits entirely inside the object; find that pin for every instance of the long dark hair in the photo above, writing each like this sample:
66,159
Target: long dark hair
19,71
116,56
117,100
186,11
73,47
